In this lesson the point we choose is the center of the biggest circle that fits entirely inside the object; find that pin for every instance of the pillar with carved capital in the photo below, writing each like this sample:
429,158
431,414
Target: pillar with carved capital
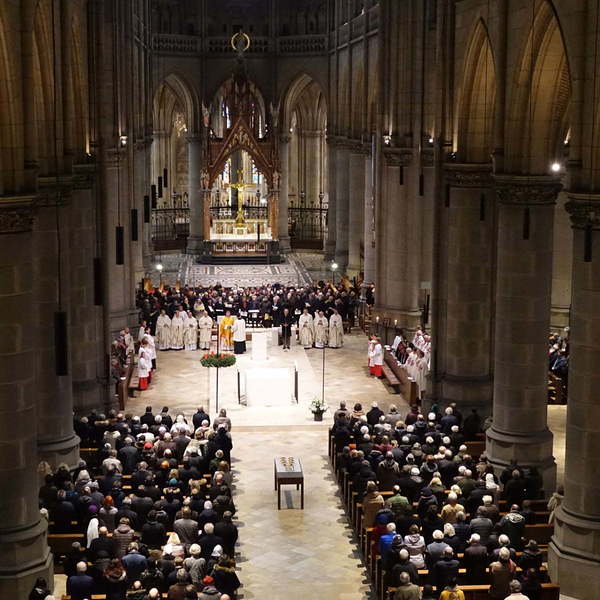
356,211
282,221
24,553
342,192
195,195
464,351
574,553
332,205
519,430
57,443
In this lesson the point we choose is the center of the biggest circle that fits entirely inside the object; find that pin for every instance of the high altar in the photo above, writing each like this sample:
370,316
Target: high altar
240,184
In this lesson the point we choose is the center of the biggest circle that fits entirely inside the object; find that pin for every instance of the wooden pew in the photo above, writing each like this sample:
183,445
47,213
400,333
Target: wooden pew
550,591
406,387
60,543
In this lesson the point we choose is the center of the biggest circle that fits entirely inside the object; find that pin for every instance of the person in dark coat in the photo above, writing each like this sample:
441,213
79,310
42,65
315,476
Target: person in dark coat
228,532
476,560
200,416
531,558
445,570
514,490
80,586
374,414
154,534
225,577
208,541
40,590
64,513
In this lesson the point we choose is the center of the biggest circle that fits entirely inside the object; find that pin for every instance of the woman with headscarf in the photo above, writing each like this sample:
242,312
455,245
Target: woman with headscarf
93,525
173,547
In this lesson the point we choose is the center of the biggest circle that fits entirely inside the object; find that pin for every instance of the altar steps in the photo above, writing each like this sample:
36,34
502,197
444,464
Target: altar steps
240,259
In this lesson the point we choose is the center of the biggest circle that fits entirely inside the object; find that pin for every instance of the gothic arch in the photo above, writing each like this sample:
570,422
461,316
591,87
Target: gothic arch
474,128
293,95
80,91
8,115
43,85
539,105
175,85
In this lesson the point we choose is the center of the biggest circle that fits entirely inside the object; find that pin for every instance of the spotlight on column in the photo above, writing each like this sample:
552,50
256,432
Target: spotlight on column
430,140
555,167
387,140
159,267
123,140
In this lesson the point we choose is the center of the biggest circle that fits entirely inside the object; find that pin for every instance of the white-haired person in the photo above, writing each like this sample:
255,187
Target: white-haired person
501,573
476,560
450,510
80,586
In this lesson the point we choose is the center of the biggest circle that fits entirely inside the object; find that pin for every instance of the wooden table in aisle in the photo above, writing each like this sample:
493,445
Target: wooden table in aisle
288,471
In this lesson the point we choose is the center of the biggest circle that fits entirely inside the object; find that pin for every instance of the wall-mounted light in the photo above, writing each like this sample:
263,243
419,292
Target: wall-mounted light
123,140
430,140
555,167
387,140
159,267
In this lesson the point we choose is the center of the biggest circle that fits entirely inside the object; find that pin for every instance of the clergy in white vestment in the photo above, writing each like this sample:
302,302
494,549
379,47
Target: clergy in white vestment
411,362
321,330
141,331
376,359
306,329
336,330
177,331
128,338
163,331
191,332
151,347
205,323
239,335
144,365
420,372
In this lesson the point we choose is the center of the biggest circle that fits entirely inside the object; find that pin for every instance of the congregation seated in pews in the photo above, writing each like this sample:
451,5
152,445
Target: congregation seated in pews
429,510
150,512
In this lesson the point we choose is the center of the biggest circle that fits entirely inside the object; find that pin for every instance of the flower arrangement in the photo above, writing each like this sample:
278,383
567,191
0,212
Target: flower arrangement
318,406
212,359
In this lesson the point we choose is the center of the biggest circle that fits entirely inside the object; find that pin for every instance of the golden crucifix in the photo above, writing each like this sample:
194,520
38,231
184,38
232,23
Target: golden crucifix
240,186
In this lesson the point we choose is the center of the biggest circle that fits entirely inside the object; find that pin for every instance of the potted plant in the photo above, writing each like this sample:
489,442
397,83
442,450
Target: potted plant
318,407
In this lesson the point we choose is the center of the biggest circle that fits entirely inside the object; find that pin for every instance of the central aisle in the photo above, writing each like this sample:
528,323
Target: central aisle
292,554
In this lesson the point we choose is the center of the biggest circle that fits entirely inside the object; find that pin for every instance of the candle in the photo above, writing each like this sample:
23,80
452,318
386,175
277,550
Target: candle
395,322
377,319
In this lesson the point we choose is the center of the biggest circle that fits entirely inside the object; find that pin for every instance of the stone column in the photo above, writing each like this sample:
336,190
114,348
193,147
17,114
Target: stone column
85,317
24,553
574,552
342,205
465,346
332,205
195,195
369,223
282,221
519,429
312,154
57,443
356,211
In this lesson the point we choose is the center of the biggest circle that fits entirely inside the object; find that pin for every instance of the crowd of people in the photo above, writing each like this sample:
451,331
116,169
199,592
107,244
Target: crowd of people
558,355
443,503
155,505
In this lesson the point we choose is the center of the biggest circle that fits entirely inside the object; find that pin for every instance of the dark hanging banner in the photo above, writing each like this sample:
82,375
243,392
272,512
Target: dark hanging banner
120,245
526,223
482,207
134,225
421,184
146,209
153,195
160,187
447,196
401,175
166,178
61,348
588,232
98,291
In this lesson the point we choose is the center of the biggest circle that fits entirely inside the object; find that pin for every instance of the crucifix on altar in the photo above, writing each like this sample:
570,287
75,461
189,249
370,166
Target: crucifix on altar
240,186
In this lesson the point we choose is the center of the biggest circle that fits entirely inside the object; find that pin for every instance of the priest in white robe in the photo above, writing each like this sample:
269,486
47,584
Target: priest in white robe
239,335
128,339
191,332
420,372
151,347
144,365
177,331
163,331
336,330
141,332
306,330
205,323
321,330
376,359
